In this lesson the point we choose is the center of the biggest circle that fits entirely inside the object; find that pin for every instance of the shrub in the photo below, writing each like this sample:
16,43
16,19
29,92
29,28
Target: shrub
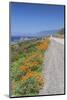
29,86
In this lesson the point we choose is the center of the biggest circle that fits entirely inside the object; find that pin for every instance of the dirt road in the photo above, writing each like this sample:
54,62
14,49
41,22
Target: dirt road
53,68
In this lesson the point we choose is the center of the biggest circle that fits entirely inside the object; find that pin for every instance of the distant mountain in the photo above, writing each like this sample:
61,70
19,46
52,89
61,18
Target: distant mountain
46,33
38,34
27,36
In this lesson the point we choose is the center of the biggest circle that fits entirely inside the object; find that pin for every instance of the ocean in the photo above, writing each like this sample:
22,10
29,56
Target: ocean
30,36
21,38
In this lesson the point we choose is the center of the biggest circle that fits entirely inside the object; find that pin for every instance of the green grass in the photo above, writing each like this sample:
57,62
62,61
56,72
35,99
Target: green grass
20,52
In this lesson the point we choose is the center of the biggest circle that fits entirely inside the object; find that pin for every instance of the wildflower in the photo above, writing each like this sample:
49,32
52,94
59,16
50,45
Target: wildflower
24,68
43,45
34,74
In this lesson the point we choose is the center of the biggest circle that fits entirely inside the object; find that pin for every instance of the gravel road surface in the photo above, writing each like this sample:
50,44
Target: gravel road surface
53,69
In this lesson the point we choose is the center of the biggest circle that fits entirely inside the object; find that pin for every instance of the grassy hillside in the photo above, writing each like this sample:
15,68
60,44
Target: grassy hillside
26,67
60,33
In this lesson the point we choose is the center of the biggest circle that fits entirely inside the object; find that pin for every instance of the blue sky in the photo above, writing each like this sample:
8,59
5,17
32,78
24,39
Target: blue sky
32,18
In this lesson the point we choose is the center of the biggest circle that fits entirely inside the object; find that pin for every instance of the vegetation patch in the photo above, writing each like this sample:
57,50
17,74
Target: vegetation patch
26,67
